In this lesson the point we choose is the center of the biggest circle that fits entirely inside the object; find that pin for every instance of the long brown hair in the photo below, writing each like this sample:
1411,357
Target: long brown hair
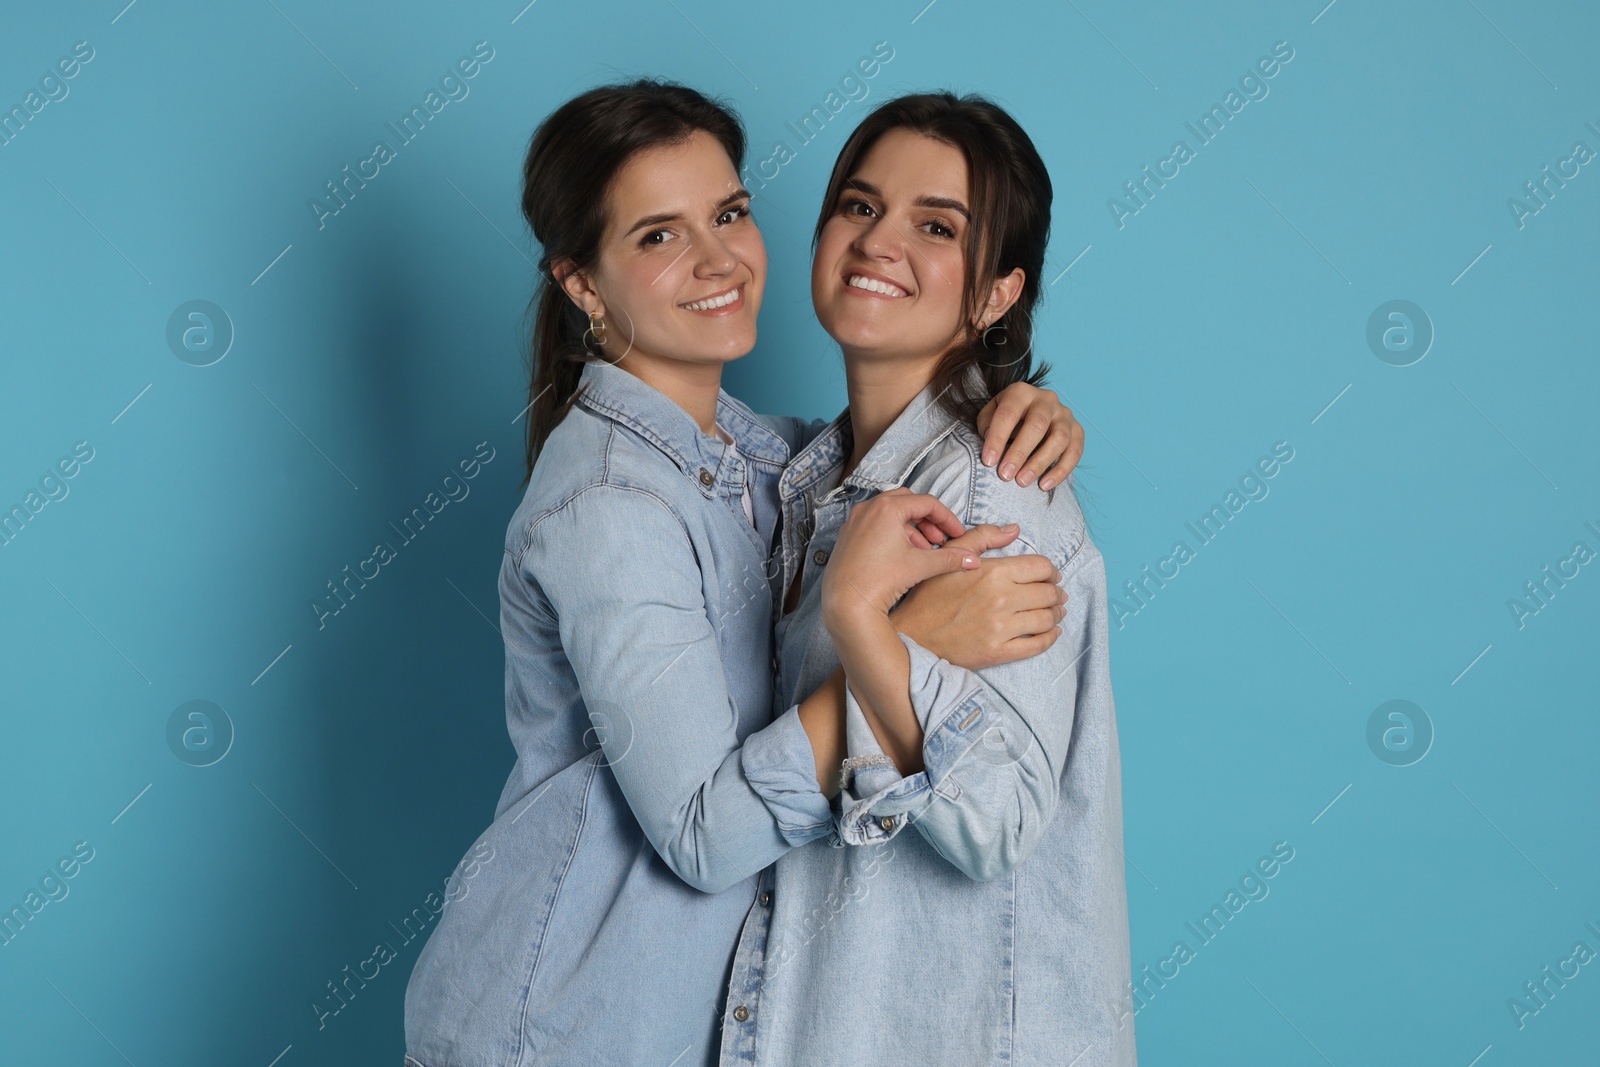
573,158
1010,202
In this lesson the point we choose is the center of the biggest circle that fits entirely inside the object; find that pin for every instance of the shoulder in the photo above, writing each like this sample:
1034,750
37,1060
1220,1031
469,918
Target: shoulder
608,534
1052,523
597,480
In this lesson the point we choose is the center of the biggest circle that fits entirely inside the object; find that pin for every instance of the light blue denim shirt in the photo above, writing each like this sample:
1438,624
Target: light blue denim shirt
654,780
995,929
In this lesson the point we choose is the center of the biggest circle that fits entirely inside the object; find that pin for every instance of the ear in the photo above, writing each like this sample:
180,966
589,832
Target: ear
579,287
1002,294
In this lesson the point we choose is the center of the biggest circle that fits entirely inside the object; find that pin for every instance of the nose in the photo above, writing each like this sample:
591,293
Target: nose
715,258
878,240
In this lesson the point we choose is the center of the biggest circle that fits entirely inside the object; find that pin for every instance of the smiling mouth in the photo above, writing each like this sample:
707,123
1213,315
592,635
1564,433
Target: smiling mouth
874,285
718,301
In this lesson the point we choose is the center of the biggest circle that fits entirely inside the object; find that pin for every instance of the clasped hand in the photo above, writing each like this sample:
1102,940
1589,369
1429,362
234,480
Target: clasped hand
905,557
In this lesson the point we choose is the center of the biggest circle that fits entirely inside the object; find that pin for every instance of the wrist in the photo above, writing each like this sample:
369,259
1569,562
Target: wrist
910,624
851,616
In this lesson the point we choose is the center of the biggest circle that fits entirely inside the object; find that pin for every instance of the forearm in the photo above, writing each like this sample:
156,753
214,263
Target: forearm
822,715
997,742
647,660
878,672
988,785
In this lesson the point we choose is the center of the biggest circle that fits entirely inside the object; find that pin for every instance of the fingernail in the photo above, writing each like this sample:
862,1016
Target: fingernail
988,457
968,562
1025,478
1007,471
1008,527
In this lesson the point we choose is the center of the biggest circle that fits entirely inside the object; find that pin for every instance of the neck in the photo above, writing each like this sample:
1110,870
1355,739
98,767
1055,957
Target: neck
692,386
879,391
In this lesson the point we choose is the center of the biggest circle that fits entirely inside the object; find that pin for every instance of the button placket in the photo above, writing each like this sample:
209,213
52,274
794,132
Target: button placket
744,987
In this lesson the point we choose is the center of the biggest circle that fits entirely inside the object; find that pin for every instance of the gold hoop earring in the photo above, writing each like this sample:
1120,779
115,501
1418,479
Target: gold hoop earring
597,328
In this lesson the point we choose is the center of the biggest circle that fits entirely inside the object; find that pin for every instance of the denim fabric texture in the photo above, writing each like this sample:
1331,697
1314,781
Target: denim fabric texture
974,912
653,782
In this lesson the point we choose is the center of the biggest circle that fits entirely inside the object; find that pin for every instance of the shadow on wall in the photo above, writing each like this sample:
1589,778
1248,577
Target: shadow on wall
407,696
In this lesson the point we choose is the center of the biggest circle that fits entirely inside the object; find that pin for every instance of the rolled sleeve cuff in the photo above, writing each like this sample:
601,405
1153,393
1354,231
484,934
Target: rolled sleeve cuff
781,767
877,801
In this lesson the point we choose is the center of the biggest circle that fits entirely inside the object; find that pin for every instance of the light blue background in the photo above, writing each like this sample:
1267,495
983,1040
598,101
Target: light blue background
1227,315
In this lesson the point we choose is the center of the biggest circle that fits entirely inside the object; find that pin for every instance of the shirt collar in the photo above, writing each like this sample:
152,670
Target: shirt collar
627,398
890,460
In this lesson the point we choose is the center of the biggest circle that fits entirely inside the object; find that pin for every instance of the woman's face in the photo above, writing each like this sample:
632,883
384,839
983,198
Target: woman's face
890,267
681,264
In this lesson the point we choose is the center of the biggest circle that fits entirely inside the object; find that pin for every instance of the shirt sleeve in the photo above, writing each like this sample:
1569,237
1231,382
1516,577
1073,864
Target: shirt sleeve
621,575
995,742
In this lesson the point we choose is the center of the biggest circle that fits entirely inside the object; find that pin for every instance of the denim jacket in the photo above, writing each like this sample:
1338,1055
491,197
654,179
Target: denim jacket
653,781
974,912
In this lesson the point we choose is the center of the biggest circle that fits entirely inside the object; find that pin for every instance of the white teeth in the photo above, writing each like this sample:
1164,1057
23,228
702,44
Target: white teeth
872,285
715,302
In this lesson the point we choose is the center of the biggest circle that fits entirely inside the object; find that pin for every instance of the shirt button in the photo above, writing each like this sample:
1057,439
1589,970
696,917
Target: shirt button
741,1013
887,822
706,477
820,557
766,898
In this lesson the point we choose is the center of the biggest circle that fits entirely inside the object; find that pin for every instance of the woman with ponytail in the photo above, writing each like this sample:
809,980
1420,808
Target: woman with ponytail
654,781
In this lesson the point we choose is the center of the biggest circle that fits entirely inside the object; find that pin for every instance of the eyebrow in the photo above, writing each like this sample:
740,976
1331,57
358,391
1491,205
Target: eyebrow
944,202
655,220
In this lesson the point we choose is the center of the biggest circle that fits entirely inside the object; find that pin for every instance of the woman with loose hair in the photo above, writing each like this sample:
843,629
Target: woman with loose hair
976,912
655,777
